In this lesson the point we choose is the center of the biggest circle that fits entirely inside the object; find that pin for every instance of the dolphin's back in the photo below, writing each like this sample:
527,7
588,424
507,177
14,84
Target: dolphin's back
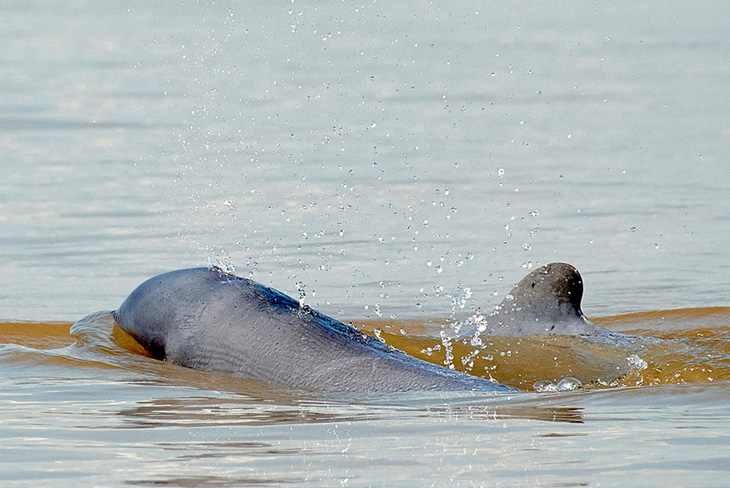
209,320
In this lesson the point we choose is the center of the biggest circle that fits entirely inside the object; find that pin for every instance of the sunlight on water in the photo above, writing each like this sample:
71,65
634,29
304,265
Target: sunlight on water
94,386
671,347
389,163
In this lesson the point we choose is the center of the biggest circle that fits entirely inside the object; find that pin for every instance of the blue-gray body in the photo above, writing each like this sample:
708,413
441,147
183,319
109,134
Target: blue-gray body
206,319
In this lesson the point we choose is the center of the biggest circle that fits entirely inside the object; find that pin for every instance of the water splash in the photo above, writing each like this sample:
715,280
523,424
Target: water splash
566,384
301,291
448,349
636,363
223,263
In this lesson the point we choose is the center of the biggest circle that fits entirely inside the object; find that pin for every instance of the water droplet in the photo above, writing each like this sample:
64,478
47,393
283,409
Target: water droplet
568,384
527,265
500,172
301,289
636,363
526,247
544,386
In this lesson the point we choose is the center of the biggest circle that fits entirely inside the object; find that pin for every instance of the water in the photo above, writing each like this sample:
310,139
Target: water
397,166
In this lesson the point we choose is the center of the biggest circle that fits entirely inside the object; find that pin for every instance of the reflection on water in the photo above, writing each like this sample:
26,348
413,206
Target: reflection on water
676,346
208,411
663,347
108,414
392,160
97,333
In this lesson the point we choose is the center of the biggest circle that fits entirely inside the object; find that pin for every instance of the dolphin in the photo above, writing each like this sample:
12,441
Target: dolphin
210,320
545,302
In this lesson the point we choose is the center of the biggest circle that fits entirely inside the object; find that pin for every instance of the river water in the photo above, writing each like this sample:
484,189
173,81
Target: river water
397,166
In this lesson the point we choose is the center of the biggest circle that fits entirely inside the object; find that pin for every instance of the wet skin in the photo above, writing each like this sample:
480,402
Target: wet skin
209,320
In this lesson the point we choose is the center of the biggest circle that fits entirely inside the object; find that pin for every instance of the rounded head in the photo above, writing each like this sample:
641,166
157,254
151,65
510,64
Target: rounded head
555,286
546,301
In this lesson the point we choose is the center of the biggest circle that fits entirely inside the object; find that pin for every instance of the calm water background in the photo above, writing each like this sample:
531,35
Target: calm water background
388,160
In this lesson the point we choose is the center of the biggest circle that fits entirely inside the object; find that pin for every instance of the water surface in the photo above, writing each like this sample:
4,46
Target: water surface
401,166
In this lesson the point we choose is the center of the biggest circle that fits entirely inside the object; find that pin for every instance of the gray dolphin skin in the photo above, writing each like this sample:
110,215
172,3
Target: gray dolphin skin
206,319
546,301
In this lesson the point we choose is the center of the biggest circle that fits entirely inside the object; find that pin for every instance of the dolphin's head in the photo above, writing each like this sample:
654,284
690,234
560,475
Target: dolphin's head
546,301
